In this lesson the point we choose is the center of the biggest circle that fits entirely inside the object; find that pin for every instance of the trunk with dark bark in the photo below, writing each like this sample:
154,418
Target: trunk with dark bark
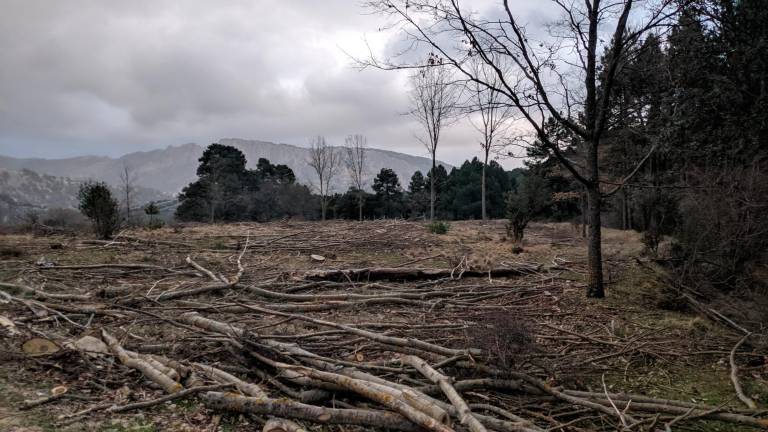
584,216
594,245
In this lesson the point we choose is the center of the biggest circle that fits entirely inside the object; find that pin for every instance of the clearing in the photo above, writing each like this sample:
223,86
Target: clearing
259,323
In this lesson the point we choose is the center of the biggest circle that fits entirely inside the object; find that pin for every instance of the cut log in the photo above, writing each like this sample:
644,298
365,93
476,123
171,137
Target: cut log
317,414
158,377
465,414
399,273
282,425
225,377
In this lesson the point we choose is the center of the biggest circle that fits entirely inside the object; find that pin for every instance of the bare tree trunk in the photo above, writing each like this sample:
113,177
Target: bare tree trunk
594,246
360,206
482,188
127,178
432,191
584,215
354,159
624,209
323,206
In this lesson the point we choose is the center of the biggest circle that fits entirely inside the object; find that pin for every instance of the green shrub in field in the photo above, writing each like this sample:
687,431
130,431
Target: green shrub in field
438,227
97,204
152,211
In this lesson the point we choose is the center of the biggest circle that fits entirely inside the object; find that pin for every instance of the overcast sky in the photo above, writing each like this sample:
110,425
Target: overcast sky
111,77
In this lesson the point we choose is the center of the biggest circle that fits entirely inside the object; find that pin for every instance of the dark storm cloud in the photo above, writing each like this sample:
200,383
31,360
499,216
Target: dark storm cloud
110,77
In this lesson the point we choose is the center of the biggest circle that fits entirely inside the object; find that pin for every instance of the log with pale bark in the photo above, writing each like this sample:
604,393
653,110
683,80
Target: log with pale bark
409,274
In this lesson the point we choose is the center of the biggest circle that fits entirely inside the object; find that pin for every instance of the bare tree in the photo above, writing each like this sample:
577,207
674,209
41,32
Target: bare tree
557,78
354,160
434,100
325,161
127,181
494,116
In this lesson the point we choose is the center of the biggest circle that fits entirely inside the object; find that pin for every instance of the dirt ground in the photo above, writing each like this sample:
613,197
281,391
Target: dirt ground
539,322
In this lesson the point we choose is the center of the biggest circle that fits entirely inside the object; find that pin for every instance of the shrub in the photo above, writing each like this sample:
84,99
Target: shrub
504,336
152,211
96,202
438,227
529,200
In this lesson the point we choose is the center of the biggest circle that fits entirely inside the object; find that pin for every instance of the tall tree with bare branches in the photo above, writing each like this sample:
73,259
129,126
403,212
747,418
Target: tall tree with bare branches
354,159
556,77
490,115
325,160
127,181
434,101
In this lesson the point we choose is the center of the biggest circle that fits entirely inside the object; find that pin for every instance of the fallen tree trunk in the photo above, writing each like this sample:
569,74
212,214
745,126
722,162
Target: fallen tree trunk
396,273
158,377
465,414
318,414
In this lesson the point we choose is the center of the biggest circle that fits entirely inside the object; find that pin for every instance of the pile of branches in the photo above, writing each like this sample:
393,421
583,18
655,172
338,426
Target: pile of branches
436,353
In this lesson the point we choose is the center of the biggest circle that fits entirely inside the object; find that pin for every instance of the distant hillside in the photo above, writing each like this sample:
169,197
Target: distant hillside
170,169
25,190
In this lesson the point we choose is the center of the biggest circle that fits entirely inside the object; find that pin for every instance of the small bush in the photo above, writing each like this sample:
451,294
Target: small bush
96,203
438,227
152,211
504,336
530,199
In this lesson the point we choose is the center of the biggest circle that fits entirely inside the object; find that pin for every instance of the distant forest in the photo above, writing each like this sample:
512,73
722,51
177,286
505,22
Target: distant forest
227,191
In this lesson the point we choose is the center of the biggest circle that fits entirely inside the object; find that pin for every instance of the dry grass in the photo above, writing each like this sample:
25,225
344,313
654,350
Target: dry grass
519,326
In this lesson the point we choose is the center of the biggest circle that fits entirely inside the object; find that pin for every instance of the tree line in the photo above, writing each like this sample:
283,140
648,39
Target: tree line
227,191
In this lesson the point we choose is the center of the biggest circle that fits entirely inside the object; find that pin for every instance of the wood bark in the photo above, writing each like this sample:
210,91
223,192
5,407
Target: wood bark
595,287
390,273
317,414
465,414
282,425
158,377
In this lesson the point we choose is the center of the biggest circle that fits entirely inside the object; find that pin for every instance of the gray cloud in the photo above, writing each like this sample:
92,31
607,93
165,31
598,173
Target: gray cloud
110,77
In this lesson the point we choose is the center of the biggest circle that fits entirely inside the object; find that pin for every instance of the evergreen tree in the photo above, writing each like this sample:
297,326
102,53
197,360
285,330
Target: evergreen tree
95,201
218,193
462,194
388,192
441,182
281,174
418,195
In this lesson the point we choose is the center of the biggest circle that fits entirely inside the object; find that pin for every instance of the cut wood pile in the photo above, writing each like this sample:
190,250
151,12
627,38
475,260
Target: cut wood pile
413,347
